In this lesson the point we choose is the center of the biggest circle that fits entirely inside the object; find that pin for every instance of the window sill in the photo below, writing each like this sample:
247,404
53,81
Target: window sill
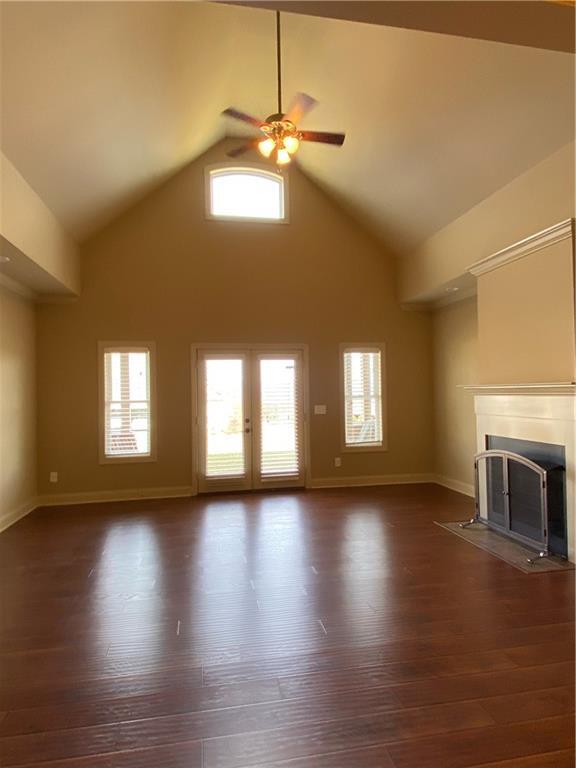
382,448
127,459
245,219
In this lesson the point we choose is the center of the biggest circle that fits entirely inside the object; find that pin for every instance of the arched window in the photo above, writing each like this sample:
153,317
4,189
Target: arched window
246,193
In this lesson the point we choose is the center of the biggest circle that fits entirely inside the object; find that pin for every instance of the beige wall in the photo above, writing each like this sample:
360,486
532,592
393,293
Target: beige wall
17,406
165,273
455,363
526,319
539,198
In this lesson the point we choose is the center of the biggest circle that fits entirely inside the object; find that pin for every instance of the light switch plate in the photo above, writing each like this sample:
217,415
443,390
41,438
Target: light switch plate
319,410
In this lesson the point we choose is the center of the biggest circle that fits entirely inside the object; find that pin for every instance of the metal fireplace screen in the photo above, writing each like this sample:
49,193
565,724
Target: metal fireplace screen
516,496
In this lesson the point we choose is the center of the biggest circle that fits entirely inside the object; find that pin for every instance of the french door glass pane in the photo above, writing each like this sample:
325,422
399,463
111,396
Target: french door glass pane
279,449
225,418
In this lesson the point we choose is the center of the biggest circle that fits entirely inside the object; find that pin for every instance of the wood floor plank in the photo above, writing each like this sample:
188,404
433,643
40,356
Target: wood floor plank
464,687
333,736
167,701
530,655
562,759
489,745
340,680
181,755
378,757
71,690
353,655
369,757
130,733
531,705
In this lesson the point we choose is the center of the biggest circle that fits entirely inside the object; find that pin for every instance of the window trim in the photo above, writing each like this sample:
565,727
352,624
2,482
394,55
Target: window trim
256,169
364,347
124,346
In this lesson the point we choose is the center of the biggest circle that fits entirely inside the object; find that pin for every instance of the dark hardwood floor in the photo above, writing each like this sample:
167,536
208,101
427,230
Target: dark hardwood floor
320,629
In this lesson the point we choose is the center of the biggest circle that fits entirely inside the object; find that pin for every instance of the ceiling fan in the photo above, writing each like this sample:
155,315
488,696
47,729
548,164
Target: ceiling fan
280,134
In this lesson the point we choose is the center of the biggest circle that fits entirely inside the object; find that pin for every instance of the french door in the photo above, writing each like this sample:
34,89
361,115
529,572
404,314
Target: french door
250,419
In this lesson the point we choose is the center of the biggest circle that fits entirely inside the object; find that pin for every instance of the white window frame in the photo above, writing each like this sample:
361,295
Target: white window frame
255,169
364,448
123,346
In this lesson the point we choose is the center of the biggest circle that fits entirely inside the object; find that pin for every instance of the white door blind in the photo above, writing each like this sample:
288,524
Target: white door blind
224,409
279,418
127,403
362,398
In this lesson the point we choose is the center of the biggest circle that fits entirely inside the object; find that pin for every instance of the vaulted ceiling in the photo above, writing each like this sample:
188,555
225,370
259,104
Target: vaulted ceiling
103,101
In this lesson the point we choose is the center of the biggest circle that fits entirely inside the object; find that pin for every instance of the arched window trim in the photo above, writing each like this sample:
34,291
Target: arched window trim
255,169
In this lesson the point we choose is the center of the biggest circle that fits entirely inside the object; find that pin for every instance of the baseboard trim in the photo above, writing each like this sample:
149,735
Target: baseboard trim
130,494
139,494
17,514
455,485
367,480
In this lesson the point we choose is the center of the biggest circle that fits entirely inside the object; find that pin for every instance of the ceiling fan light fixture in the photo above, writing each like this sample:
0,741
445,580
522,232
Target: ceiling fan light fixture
291,144
266,147
283,156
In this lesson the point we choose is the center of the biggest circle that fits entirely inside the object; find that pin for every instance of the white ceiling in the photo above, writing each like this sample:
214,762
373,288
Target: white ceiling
102,101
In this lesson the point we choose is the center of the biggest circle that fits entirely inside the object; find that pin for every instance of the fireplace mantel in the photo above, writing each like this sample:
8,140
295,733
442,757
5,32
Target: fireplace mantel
552,388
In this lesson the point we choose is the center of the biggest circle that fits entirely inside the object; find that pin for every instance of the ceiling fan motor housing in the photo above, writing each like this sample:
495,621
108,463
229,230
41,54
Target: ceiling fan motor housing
277,127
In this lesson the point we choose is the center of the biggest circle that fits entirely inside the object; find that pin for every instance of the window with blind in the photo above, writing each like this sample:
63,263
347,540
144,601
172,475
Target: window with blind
126,403
246,193
362,389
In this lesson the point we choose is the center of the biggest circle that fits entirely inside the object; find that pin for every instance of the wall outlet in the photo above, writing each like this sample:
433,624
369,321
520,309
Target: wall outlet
337,461
53,477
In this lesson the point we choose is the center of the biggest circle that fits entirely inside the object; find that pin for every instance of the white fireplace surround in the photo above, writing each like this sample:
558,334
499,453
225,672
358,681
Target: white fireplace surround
545,413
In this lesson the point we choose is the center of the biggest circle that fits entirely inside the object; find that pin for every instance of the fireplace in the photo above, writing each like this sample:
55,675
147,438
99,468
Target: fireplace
538,423
525,492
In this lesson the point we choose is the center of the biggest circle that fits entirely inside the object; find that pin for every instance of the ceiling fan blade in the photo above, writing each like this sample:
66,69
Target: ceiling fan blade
237,115
301,105
323,137
242,149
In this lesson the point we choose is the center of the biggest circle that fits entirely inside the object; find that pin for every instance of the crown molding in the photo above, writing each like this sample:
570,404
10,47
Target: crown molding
446,300
549,388
555,234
